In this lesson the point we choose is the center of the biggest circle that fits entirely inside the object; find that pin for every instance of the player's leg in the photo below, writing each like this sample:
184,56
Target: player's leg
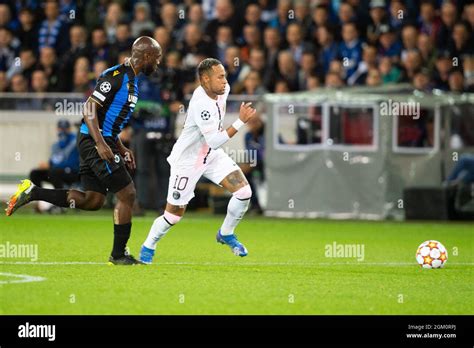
180,191
237,184
37,176
28,192
223,171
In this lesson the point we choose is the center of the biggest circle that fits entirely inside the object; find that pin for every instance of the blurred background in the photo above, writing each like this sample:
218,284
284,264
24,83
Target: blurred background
365,106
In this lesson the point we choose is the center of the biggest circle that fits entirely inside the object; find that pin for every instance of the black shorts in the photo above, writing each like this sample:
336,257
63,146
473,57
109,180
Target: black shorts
97,174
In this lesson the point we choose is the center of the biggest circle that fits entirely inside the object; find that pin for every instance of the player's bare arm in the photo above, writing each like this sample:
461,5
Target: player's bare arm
92,122
127,154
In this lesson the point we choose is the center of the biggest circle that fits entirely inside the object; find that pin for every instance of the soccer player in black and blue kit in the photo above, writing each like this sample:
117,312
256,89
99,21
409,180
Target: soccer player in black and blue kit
103,157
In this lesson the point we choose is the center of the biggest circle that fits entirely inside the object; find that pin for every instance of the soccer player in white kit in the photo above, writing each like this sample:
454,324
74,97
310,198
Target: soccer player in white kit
198,152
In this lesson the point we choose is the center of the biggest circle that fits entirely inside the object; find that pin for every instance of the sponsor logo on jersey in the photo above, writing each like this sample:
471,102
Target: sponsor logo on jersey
132,98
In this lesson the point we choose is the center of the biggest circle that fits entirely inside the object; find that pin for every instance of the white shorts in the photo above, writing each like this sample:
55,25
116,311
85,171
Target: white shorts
183,179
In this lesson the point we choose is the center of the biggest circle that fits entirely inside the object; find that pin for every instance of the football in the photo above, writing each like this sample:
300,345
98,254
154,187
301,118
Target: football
431,254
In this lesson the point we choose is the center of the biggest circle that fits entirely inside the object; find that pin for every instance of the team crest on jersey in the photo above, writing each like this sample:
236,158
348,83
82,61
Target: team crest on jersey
176,195
116,72
205,115
105,87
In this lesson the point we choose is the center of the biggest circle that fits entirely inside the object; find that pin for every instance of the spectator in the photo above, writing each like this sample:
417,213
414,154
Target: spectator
100,48
269,11
236,69
19,84
194,46
422,80
113,17
141,19
328,47
281,86
257,61
223,41
163,36
390,72
369,61
461,42
448,19
409,39
78,48
48,63
99,67
225,15
282,20
7,53
294,37
313,83
82,82
3,82
251,40
63,166
53,31
389,44
27,32
96,11
374,78
469,15
378,16
169,20
463,171
288,70
196,16
333,80
427,51
399,15
271,40
6,20
320,16
255,142
252,84
123,40
429,22
468,66
39,81
443,66
253,15
456,81
308,69
350,49
25,65
302,14
411,65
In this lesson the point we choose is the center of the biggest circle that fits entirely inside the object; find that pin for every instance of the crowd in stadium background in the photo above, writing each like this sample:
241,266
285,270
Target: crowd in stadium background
265,45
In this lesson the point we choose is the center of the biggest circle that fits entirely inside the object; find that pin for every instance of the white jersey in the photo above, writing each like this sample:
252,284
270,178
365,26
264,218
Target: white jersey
205,118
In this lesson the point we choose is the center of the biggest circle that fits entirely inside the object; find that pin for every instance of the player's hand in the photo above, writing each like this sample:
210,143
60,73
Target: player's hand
128,157
105,152
246,112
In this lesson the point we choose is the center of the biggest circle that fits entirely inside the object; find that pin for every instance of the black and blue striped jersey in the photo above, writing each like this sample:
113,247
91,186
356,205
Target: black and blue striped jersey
116,95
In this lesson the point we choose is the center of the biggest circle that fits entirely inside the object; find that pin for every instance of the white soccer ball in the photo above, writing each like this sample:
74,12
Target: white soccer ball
431,254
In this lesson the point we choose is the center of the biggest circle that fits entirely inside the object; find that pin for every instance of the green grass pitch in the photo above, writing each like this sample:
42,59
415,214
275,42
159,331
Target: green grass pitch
286,272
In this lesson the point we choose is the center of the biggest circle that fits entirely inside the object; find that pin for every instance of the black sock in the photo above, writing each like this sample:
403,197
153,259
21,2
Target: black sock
57,197
121,235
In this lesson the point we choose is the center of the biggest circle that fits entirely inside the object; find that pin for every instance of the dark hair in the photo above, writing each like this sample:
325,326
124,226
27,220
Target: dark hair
207,65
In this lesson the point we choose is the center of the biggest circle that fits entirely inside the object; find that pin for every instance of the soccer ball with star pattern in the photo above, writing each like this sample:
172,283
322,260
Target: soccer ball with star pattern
431,254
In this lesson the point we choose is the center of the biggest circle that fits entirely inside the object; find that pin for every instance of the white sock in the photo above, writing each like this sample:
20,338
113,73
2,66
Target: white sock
235,211
157,231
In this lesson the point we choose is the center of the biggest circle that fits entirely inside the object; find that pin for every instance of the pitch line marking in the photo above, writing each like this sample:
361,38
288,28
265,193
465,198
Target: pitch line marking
23,278
54,263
